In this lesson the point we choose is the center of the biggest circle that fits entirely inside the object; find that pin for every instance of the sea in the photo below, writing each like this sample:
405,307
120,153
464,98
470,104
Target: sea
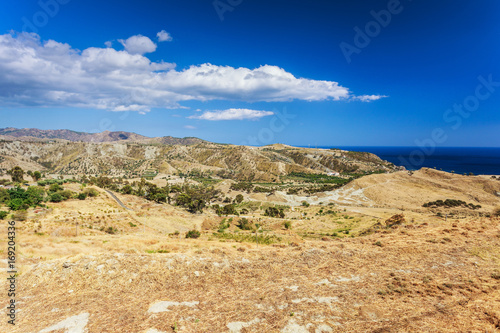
479,161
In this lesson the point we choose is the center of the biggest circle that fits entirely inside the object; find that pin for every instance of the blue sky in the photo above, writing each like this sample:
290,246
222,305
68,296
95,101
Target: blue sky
256,72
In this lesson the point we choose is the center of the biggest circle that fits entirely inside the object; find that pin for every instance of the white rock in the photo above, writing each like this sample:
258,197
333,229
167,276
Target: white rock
164,305
237,326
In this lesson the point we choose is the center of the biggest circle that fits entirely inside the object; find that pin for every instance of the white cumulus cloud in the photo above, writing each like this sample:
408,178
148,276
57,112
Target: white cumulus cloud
233,114
50,74
138,45
164,36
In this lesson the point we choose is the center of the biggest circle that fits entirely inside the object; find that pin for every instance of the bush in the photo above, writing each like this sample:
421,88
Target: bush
305,204
239,198
82,196
242,187
91,192
21,215
110,230
274,212
56,197
66,194
3,214
223,225
244,224
496,212
287,225
18,204
193,234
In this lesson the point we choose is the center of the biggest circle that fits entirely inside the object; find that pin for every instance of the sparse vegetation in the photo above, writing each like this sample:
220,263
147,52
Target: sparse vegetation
245,224
193,234
448,203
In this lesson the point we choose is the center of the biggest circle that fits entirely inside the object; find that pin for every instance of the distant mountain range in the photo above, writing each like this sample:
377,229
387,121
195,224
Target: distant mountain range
28,134
130,155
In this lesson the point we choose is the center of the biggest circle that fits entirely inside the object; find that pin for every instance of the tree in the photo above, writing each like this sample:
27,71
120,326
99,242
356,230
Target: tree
239,198
274,212
18,204
17,174
244,224
127,189
35,195
36,176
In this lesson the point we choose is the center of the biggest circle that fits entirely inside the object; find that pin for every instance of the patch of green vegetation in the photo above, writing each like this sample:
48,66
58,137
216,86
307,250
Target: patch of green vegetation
449,203
316,178
158,251
193,234
248,237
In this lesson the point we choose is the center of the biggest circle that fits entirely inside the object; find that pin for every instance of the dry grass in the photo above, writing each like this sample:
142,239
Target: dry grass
427,274
350,285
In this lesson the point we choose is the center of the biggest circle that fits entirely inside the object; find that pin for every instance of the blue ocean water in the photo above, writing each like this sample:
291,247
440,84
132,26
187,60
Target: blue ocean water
480,161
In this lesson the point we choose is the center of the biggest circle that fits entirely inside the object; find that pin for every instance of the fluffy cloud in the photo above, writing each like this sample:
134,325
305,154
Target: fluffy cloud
138,45
164,36
49,73
233,114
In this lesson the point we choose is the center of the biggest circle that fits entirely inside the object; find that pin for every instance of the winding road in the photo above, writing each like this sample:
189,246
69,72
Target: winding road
118,200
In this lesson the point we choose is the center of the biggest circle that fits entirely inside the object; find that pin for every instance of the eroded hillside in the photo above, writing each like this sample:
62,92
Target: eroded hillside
223,161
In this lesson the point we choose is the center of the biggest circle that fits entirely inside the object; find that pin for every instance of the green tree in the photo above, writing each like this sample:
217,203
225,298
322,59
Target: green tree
244,224
3,214
18,204
36,176
4,195
55,188
35,195
17,174
127,189
274,212
239,198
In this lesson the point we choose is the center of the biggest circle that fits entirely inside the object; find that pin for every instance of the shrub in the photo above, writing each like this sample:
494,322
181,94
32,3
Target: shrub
239,198
244,224
3,214
56,197
287,225
242,187
496,212
91,192
82,196
21,215
18,204
274,212
223,225
110,230
305,204
193,234
66,194
55,187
